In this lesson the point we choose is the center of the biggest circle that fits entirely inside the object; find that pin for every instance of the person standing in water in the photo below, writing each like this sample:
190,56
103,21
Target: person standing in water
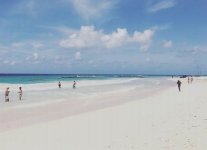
6,94
20,93
191,79
179,84
59,84
74,84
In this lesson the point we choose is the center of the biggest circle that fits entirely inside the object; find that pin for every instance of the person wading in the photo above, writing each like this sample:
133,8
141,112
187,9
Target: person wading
6,94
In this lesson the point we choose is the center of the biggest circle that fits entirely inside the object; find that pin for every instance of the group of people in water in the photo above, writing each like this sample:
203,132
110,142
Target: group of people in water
20,92
190,80
74,84
6,94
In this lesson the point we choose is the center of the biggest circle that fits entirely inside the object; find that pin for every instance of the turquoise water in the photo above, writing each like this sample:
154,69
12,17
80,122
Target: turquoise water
44,78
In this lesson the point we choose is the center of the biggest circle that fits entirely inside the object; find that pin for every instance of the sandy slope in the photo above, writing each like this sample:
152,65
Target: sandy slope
168,120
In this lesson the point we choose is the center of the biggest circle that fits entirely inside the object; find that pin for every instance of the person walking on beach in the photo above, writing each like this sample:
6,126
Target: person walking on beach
59,84
179,85
20,93
74,84
6,94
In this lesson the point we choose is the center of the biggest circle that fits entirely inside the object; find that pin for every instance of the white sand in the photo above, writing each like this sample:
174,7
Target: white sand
168,120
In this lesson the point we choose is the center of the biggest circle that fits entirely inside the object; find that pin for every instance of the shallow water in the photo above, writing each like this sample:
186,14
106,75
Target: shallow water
85,88
45,101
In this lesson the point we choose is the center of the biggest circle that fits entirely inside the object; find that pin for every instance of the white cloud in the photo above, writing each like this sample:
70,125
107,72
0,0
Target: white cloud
91,8
144,38
116,39
161,5
88,37
78,56
167,44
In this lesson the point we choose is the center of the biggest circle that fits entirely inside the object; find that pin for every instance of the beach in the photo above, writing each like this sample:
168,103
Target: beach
118,114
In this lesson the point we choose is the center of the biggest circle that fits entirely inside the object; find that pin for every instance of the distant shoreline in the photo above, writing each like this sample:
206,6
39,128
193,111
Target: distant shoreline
125,74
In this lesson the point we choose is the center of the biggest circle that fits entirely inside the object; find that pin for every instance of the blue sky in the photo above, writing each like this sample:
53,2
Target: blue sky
103,36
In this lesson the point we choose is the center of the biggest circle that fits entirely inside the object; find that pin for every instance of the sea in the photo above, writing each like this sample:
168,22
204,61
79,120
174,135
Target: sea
46,78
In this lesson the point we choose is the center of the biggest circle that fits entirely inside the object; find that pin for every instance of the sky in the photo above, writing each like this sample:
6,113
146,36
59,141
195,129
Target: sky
103,36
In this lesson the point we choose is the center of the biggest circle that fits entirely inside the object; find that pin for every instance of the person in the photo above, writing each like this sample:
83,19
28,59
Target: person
7,94
179,85
59,84
74,84
191,79
188,79
20,93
